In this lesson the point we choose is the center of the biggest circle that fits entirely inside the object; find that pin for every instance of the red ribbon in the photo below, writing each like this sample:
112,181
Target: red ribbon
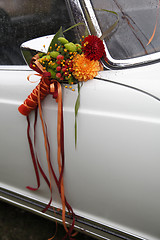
45,87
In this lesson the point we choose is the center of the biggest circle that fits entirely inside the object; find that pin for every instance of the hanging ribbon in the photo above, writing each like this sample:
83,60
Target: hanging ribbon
45,87
32,100
33,158
56,91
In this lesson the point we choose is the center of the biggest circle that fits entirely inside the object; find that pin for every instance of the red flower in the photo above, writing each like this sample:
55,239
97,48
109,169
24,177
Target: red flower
93,47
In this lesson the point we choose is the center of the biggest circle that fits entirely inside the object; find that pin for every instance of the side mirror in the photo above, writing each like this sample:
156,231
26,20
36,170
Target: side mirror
32,47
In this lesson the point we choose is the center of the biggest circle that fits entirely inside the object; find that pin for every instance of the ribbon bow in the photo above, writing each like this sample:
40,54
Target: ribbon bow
48,86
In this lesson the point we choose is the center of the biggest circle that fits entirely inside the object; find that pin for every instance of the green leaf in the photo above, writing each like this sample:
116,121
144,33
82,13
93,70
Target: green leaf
77,105
76,25
75,132
59,34
112,27
55,39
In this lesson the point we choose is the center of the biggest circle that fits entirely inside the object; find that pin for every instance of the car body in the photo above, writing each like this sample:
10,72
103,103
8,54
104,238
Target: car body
111,178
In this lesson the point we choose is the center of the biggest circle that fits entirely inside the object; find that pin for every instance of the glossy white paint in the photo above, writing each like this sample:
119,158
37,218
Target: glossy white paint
113,175
41,44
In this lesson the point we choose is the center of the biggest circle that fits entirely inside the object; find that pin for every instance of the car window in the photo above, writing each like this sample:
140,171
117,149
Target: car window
22,20
137,20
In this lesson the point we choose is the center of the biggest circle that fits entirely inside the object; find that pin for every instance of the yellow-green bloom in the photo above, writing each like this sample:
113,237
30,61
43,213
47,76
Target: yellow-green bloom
71,47
54,54
62,40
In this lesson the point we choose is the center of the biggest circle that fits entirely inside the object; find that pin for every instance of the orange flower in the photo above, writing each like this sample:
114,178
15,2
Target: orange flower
85,69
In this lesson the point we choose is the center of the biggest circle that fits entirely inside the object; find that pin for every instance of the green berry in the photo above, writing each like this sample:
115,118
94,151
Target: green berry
41,54
62,40
43,58
53,74
79,47
48,57
71,47
54,54
54,66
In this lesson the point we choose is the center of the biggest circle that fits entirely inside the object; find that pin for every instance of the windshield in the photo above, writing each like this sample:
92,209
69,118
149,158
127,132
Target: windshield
137,20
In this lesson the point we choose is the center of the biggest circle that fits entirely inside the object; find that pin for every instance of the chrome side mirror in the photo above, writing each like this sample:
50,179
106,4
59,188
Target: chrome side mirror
32,47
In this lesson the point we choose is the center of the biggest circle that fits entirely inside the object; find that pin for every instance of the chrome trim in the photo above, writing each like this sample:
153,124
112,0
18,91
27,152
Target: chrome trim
77,15
91,18
15,68
83,225
88,13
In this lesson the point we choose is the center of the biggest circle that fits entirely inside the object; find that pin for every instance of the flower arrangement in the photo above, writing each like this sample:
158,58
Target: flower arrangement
69,63
65,62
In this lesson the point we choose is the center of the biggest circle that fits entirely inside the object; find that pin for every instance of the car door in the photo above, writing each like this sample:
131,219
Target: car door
21,21
112,176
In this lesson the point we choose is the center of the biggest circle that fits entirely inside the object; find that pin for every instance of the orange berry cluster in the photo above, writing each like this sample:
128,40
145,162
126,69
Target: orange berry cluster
59,62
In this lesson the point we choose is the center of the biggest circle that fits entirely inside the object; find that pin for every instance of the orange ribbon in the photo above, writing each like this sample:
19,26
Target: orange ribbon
53,90
53,87
59,124
32,100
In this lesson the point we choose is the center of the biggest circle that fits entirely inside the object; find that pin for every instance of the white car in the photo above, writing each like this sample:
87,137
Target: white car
112,177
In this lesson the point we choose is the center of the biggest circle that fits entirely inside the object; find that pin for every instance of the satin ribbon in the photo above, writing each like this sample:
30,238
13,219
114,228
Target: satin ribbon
56,91
60,141
32,100
45,87
34,159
